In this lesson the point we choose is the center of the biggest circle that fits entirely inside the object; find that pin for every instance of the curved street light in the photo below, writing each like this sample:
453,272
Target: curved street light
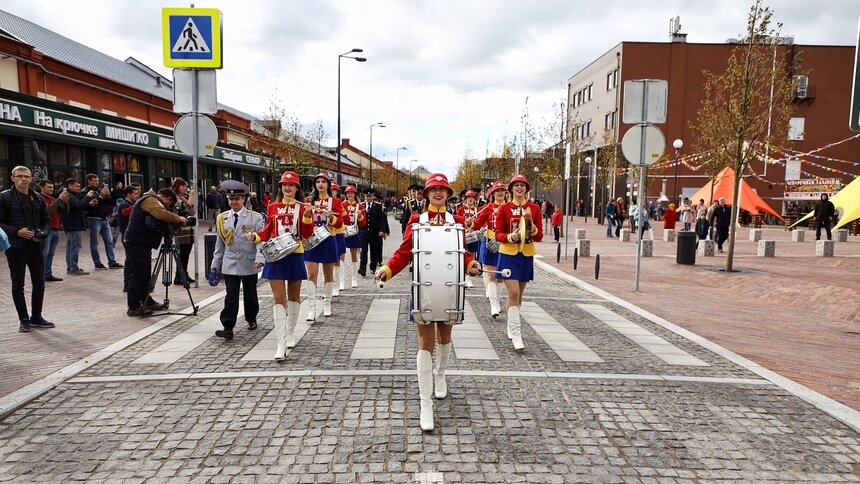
678,144
397,170
379,125
357,59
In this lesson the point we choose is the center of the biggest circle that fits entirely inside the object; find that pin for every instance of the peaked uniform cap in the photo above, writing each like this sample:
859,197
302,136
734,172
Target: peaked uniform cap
519,178
290,177
234,187
437,180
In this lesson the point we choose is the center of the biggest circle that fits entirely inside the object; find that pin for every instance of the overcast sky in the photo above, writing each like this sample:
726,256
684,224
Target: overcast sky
446,77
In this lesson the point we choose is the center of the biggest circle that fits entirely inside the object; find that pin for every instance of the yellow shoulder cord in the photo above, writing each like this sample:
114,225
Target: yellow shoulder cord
227,235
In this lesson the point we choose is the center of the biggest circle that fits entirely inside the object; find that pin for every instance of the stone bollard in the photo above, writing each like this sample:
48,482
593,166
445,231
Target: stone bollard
755,235
798,235
584,247
706,248
625,235
647,249
766,248
580,234
669,235
824,248
840,235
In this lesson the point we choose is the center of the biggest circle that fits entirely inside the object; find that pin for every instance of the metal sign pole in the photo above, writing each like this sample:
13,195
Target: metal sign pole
567,198
642,150
194,100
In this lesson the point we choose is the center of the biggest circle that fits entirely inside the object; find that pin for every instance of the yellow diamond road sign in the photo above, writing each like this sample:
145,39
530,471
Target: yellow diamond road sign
192,37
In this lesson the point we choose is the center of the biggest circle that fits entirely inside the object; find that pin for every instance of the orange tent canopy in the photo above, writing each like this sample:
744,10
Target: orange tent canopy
724,188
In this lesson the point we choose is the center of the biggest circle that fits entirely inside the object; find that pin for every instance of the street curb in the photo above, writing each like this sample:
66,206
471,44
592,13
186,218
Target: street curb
839,411
18,398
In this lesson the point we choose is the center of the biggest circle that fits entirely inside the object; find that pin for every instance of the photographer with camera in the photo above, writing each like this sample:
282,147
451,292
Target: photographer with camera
99,207
149,222
24,217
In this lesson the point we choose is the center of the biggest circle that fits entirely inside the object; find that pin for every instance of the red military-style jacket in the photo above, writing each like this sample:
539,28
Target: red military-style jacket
403,255
487,218
468,212
332,204
353,210
508,219
285,218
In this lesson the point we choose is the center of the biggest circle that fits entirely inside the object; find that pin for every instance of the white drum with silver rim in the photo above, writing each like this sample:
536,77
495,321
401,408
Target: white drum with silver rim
281,246
438,272
493,245
351,230
320,234
475,236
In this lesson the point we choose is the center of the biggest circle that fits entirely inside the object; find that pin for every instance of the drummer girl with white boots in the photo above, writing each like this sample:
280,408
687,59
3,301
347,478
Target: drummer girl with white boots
490,258
436,192
517,227
326,212
357,217
469,211
286,216
340,238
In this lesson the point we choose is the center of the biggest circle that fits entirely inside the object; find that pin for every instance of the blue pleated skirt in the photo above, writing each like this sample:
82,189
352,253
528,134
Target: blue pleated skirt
486,256
521,266
325,253
341,244
290,268
353,242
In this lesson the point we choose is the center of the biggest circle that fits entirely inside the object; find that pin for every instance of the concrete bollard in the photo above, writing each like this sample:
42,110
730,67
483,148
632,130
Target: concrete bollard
647,248
824,248
840,235
579,234
798,235
669,235
706,248
755,235
625,235
584,246
766,248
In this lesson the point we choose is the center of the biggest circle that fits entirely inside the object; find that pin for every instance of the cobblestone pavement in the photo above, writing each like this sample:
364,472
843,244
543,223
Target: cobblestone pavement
602,393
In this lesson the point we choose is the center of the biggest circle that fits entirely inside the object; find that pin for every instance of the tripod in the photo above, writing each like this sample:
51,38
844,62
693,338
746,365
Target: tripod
168,256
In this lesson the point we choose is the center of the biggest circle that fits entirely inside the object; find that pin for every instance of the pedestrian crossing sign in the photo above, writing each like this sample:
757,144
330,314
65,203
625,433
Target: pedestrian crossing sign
192,37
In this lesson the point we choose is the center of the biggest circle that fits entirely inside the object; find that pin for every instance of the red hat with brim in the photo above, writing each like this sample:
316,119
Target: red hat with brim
470,193
495,187
350,189
335,186
290,177
437,180
323,175
519,178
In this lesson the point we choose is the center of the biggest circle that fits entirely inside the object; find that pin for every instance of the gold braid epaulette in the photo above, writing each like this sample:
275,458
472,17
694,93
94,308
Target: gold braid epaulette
226,235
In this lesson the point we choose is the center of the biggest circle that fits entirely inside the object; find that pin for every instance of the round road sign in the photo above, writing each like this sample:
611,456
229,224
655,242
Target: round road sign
631,145
207,136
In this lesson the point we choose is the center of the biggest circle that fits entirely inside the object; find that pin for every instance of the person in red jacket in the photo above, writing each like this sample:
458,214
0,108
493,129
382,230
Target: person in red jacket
556,223
326,212
518,227
355,216
436,192
489,257
286,215
469,211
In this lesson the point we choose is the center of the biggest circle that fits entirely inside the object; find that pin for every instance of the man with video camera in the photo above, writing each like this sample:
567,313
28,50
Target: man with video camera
148,224
25,220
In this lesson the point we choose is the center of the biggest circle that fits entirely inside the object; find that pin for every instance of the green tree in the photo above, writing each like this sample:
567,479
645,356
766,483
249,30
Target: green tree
738,106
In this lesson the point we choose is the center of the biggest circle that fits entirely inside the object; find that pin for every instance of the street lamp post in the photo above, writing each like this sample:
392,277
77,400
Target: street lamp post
358,59
410,171
397,171
380,125
588,197
678,144
537,183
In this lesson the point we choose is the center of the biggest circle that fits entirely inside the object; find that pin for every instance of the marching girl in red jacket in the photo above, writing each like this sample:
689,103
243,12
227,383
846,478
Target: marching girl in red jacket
518,227
355,216
469,211
326,212
285,215
436,192
488,257
340,238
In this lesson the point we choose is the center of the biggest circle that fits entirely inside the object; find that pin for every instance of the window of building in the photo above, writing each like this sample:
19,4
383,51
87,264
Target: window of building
607,121
801,86
587,129
609,81
590,91
612,79
796,127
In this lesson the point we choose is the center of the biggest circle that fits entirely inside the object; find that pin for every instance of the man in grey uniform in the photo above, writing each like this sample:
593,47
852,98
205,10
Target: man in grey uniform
237,258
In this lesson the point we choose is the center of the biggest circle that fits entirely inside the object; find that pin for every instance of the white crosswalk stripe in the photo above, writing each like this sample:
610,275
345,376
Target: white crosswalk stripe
567,346
471,341
649,341
376,337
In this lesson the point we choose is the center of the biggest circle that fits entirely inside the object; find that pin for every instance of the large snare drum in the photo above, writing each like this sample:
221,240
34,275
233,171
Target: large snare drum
350,230
493,245
279,247
438,274
475,236
320,234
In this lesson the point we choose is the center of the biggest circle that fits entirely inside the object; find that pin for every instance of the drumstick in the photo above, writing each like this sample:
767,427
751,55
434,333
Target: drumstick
380,284
503,272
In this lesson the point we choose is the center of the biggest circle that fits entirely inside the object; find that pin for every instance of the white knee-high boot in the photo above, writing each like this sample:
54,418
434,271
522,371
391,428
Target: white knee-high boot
425,388
493,296
292,318
514,324
442,354
312,299
329,288
469,282
279,316
487,285
353,274
338,282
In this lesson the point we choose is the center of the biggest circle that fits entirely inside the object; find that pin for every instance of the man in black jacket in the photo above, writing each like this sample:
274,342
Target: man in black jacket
824,211
372,233
24,217
74,218
722,221
99,207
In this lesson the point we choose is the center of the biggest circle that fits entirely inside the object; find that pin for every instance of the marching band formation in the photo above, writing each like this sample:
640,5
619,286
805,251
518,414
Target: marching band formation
445,247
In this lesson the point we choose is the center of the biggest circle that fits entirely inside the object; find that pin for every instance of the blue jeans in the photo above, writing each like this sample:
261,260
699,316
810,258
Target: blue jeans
49,246
99,227
609,225
73,247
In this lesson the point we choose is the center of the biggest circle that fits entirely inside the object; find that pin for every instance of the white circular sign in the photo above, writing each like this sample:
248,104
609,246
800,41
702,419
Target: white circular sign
631,145
207,136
